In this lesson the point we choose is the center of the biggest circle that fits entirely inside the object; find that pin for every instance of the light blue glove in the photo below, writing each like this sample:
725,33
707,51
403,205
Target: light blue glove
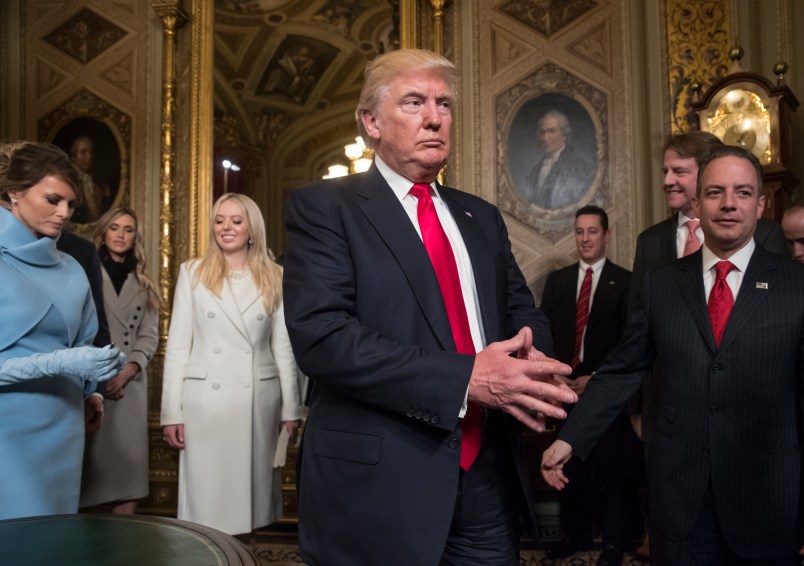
87,363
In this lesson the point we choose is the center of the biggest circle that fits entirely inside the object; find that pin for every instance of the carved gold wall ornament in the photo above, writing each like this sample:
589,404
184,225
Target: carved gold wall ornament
698,43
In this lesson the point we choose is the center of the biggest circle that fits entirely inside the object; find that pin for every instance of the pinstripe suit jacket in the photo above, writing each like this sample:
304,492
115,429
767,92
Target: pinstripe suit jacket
731,415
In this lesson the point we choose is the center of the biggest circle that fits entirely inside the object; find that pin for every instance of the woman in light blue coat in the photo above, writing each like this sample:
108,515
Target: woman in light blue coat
47,366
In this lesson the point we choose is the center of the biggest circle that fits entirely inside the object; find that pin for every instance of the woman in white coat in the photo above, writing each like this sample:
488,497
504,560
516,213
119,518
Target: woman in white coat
116,456
229,377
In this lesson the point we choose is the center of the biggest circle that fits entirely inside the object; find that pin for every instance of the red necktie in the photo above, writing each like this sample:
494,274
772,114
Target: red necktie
581,315
720,300
446,270
693,243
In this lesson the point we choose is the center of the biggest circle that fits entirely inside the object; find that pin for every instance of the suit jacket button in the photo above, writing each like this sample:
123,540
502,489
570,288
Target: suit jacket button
706,450
714,410
418,415
435,419
260,316
453,443
409,412
211,314
217,349
426,417
216,386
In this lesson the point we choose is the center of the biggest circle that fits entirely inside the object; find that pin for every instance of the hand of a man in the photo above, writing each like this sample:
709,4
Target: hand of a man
93,413
636,424
578,385
553,461
525,387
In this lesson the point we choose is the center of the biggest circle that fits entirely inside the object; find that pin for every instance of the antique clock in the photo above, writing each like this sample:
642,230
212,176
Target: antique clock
747,110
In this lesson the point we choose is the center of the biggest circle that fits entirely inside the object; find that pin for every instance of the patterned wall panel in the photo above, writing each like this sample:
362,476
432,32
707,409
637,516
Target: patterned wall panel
86,74
546,56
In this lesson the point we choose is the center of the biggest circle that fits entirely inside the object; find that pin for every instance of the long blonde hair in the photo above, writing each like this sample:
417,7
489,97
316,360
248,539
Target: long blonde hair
267,275
138,250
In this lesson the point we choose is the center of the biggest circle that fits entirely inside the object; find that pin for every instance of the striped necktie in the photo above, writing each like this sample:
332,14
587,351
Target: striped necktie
581,315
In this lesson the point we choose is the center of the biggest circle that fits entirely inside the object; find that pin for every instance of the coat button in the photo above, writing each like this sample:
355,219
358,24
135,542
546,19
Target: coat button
426,418
125,333
211,314
217,349
453,443
714,410
409,412
216,386
418,415
246,384
260,316
135,317
247,349
706,450
435,419
139,308
125,343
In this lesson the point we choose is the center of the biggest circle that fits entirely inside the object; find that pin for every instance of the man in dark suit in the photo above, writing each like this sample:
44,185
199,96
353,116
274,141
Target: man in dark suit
793,227
412,451
562,176
85,253
587,304
723,329
671,239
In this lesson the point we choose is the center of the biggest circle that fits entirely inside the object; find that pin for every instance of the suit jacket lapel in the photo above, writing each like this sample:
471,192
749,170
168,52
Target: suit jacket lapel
751,295
229,306
690,282
119,308
385,213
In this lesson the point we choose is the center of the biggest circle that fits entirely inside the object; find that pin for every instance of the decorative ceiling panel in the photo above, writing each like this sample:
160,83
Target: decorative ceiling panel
548,16
85,35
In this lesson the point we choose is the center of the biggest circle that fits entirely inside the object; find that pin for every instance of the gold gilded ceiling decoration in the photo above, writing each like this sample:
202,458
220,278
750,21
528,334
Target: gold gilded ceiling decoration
548,16
698,43
85,36
278,62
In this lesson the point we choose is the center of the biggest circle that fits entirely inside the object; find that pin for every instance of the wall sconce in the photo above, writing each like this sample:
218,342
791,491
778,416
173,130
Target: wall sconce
227,165
359,156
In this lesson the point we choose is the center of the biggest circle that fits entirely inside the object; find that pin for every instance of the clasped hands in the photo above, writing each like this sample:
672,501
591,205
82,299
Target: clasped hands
527,387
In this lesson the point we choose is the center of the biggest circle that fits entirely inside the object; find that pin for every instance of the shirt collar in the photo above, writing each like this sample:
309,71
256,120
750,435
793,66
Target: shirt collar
683,219
399,184
739,259
596,267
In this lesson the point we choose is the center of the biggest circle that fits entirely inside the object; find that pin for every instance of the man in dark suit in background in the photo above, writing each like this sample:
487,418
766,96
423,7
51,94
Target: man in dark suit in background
723,330
406,308
671,239
793,226
587,304
87,255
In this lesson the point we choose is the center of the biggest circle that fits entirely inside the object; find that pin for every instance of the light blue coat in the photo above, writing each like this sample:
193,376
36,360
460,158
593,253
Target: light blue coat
45,305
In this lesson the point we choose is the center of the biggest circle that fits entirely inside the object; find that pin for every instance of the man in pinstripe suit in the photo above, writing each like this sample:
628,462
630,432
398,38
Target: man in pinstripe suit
725,456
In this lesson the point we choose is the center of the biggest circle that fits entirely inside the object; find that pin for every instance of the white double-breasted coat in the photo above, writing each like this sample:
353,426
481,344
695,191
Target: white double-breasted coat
229,377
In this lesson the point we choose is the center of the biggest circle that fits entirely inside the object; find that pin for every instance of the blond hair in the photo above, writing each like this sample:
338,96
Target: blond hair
382,70
138,250
267,275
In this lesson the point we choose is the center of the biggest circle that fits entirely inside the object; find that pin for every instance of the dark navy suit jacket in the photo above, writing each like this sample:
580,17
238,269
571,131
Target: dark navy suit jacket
380,464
